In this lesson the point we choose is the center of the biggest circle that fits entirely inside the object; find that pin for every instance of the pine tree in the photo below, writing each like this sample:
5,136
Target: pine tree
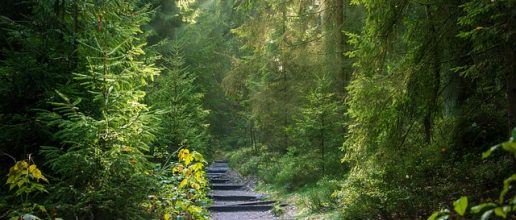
103,128
184,120
36,57
316,136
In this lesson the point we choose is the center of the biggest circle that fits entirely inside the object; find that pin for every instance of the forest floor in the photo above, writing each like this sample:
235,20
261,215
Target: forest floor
234,197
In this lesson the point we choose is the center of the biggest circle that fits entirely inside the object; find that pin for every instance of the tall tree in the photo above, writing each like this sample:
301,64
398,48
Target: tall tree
102,126
184,120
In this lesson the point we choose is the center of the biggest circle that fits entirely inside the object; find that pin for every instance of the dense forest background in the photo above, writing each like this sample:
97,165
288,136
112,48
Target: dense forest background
363,109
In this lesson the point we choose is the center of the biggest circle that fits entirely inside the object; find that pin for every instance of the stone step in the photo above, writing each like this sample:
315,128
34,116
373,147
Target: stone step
219,164
256,203
239,192
214,175
216,170
234,198
218,180
239,208
223,186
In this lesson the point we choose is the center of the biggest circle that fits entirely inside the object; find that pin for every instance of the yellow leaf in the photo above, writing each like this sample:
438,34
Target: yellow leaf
178,169
13,169
194,209
10,179
195,186
23,164
197,156
183,183
166,216
199,177
197,166
188,159
32,168
37,174
183,153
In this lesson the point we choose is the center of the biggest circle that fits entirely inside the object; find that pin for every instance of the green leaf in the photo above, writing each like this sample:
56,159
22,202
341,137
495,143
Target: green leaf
478,208
434,215
40,207
514,134
438,215
506,187
510,146
500,212
461,205
486,214
487,153
63,96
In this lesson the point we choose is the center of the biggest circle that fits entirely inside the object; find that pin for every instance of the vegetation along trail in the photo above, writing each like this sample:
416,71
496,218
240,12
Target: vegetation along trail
321,109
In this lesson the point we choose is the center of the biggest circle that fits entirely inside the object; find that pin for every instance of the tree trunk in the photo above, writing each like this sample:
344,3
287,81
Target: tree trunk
436,80
340,41
510,78
322,146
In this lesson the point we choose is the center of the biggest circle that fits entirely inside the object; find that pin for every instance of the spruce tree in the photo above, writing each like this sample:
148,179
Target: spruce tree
316,136
102,126
184,119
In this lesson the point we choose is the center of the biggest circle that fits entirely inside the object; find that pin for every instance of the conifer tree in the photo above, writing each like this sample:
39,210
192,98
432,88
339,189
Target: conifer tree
36,57
102,126
184,120
316,136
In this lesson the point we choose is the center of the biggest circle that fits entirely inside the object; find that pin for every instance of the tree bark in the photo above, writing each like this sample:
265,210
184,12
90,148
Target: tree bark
340,41
435,70
510,78
323,159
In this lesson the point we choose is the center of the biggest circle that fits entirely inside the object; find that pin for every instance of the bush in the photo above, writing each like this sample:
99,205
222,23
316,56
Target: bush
184,189
320,197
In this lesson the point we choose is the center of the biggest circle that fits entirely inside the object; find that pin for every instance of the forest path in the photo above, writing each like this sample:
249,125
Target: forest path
234,199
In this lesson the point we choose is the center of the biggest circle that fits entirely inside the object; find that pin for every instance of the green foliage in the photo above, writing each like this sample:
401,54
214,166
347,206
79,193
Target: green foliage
25,177
486,27
317,132
288,77
247,162
277,210
76,75
183,191
22,176
206,49
36,57
320,197
184,120
460,205
102,128
411,120
423,86
292,171
504,207
440,215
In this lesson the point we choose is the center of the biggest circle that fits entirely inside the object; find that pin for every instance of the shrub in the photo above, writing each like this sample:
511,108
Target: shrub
321,196
25,177
183,189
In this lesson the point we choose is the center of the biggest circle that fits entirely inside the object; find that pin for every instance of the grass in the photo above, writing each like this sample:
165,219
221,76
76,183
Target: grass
300,203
